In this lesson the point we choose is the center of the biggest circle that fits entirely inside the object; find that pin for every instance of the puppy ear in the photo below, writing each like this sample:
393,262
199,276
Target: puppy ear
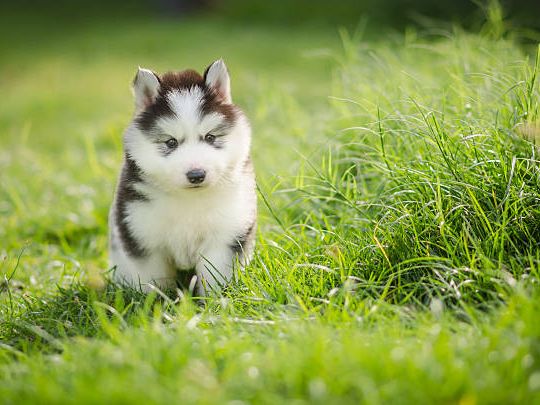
145,88
217,77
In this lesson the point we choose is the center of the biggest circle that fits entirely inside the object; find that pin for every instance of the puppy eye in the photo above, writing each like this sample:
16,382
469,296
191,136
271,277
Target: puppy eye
171,143
209,138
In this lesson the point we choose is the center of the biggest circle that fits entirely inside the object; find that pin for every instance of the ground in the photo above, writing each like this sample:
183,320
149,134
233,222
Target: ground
397,257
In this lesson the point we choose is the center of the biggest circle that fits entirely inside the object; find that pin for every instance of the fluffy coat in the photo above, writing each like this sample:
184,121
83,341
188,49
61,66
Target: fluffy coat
185,200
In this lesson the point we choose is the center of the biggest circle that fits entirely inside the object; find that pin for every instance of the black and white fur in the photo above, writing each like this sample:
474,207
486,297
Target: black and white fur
186,196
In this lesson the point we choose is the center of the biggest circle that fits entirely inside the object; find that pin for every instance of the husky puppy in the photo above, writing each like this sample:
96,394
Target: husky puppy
185,199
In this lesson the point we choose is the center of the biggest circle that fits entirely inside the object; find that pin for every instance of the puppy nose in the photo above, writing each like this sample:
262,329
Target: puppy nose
196,176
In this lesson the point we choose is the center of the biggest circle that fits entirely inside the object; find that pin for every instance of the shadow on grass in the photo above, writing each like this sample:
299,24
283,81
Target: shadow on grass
41,323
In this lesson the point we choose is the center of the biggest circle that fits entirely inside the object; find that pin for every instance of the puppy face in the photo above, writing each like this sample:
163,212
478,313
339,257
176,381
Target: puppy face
187,134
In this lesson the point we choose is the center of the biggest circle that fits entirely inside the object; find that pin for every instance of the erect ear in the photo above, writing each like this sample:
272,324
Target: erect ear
145,87
217,77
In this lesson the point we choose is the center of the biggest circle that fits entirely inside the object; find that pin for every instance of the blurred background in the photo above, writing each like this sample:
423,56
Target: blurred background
66,65
397,13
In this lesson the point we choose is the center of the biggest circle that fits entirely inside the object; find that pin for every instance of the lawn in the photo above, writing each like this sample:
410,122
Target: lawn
398,253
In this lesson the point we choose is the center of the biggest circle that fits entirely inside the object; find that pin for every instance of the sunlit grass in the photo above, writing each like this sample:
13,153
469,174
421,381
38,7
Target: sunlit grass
397,256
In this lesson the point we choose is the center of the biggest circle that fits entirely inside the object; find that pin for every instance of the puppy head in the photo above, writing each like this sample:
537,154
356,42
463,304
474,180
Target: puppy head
186,133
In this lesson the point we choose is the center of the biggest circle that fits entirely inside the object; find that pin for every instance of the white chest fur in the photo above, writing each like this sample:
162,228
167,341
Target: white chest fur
185,226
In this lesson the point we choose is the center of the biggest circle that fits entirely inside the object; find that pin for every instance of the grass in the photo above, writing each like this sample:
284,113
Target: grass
397,257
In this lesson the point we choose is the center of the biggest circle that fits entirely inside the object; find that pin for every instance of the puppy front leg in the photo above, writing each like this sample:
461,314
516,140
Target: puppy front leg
215,269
